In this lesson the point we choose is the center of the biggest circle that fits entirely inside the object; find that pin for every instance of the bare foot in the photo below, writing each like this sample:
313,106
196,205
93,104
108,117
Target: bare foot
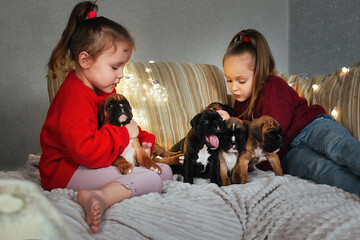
94,206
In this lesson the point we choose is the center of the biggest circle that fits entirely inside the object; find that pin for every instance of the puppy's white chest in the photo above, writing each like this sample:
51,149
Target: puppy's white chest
258,153
203,156
129,152
230,159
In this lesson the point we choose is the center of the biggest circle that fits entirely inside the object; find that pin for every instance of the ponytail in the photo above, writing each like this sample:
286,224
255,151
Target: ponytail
253,42
60,60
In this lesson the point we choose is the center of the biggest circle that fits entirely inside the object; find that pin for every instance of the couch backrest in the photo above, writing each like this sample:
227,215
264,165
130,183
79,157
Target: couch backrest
338,91
190,87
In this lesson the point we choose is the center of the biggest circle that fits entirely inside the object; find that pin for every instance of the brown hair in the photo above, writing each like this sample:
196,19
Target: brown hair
92,35
253,42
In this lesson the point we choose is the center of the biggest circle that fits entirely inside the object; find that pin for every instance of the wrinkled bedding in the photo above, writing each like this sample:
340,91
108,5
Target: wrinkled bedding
268,207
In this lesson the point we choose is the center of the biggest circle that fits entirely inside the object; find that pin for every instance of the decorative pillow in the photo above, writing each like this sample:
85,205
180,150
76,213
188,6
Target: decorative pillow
165,96
338,93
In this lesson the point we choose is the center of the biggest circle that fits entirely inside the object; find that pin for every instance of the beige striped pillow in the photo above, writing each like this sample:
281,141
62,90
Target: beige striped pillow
340,90
190,88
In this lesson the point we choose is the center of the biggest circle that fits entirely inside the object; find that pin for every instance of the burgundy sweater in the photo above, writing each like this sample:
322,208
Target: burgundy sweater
70,136
280,101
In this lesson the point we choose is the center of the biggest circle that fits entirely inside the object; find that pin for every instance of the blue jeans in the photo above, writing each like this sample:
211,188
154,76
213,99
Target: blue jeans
326,153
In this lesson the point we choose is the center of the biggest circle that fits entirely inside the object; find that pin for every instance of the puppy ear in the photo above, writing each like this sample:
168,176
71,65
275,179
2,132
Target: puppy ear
194,120
257,132
228,109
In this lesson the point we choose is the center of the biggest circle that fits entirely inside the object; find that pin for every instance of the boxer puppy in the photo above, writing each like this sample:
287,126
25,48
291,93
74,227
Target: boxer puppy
200,145
232,143
116,110
264,141
179,146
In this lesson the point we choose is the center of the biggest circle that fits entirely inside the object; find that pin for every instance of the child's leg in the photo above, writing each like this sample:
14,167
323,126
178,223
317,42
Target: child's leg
95,202
86,178
101,188
328,137
166,173
142,180
305,163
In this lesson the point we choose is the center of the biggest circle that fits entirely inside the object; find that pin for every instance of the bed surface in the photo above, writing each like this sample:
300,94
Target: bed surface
268,207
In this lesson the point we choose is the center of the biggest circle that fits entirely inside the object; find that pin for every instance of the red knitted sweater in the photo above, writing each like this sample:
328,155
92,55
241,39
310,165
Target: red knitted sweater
70,135
280,101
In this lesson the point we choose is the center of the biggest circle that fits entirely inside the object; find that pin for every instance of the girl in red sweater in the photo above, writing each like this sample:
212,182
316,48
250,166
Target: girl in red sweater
75,153
315,146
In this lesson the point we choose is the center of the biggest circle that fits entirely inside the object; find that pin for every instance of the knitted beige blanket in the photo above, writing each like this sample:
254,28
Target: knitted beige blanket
268,207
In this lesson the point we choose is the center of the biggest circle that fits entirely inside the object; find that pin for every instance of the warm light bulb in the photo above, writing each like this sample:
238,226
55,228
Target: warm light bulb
158,92
128,86
147,70
345,70
151,61
334,112
315,87
139,117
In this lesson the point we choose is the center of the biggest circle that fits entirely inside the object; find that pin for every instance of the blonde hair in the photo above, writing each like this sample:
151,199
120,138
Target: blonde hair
93,35
253,42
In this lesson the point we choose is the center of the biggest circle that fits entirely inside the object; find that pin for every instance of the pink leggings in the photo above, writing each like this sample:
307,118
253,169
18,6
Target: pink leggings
140,181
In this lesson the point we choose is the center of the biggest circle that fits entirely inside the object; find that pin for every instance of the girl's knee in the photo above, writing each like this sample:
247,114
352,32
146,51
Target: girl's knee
147,182
166,173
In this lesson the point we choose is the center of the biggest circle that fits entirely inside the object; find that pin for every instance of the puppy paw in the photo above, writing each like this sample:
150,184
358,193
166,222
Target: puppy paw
226,182
125,168
156,168
243,181
153,167
181,160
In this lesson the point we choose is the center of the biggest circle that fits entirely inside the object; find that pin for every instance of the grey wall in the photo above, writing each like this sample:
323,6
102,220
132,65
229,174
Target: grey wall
314,37
323,35
170,30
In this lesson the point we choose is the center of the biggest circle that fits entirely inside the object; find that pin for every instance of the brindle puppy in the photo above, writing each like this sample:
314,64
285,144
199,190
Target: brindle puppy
263,143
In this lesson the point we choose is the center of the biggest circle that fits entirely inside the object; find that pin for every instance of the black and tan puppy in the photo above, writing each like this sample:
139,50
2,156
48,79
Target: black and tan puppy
232,142
116,110
200,146
263,143
179,146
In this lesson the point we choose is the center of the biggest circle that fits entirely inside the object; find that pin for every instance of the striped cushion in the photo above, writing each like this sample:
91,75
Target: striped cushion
190,88
340,90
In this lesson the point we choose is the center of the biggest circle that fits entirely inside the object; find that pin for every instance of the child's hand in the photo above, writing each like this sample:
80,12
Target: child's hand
133,129
224,114
147,147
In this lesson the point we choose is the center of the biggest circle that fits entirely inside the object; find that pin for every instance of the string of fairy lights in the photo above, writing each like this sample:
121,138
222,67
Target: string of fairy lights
156,92
316,87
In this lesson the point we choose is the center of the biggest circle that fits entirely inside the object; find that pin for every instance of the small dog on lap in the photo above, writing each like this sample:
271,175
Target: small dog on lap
116,110
263,143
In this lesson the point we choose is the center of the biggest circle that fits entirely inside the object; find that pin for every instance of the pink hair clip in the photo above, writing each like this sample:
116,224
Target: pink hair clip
92,14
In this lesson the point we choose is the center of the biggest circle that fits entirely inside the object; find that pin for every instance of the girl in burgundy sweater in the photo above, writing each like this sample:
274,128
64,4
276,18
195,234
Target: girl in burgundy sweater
75,153
315,146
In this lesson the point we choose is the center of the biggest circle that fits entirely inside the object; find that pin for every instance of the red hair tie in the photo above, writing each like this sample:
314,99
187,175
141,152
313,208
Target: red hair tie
246,39
92,14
